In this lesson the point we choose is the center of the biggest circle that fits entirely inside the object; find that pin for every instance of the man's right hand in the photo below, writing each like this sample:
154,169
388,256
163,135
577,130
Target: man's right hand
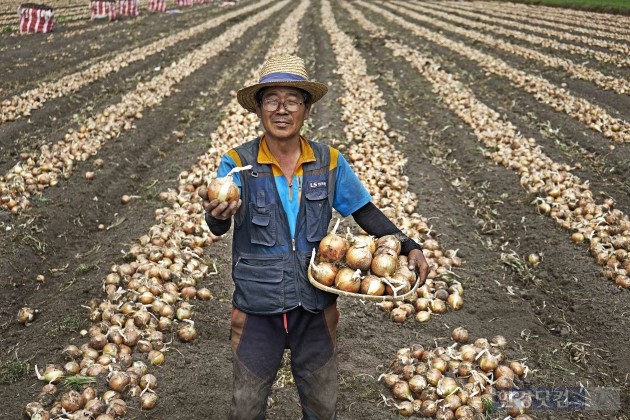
218,210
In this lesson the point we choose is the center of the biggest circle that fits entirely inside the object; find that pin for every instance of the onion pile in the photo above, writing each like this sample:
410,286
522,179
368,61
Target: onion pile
458,381
360,264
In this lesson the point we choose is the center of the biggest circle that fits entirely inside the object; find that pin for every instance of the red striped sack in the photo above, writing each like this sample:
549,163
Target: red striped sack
184,2
36,20
100,9
199,1
128,8
157,5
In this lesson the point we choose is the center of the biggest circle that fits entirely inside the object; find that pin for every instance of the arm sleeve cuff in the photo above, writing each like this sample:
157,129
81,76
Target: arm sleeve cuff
218,227
375,223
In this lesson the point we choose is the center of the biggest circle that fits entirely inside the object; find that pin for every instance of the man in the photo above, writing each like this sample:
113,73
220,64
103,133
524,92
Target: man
284,211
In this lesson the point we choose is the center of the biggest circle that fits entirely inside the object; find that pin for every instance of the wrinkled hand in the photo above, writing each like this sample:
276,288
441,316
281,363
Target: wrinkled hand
419,263
218,210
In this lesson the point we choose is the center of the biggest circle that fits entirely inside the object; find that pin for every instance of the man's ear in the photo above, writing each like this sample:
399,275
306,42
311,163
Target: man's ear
258,111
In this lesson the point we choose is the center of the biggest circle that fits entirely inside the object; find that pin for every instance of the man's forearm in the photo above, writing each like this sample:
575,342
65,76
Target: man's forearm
375,223
218,227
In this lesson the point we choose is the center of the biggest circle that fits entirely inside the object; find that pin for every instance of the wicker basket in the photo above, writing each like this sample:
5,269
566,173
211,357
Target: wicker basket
361,296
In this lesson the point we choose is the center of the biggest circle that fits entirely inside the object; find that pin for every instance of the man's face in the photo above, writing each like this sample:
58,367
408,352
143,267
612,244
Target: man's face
282,125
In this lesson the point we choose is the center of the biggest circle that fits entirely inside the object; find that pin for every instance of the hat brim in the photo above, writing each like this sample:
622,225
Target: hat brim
247,96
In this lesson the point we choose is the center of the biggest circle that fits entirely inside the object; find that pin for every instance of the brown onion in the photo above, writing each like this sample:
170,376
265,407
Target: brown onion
148,400
348,280
399,315
384,265
223,189
333,248
359,257
372,285
390,242
401,391
72,401
325,273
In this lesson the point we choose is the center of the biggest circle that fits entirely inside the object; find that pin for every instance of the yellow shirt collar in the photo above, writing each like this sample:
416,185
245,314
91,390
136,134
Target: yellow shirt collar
266,157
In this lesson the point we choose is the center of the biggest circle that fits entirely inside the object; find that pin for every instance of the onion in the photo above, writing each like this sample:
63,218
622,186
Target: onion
365,240
438,306
453,401
89,393
417,384
433,376
72,401
401,391
499,341
148,380
187,332
204,294
464,369
460,335
455,301
118,381
71,352
428,408
332,248
359,257
348,280
503,370
504,383
399,315
372,285
518,368
117,407
389,242
325,273
465,412
488,362
26,315
446,386
223,189
390,379
423,316
53,374
405,408
155,357
384,265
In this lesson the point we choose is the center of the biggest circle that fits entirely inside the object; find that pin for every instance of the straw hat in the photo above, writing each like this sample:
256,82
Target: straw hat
288,71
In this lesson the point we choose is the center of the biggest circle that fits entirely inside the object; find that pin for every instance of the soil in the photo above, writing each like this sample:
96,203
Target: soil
562,316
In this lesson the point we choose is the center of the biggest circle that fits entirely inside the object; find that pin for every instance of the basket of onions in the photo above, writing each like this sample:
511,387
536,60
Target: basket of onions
362,267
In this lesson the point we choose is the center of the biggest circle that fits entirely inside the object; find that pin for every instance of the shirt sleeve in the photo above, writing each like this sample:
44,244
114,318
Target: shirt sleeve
225,166
350,194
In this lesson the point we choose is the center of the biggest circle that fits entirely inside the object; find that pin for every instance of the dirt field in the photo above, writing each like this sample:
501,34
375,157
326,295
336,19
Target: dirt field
563,316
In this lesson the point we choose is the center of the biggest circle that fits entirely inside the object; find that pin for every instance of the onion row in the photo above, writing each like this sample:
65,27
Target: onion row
574,70
593,116
22,104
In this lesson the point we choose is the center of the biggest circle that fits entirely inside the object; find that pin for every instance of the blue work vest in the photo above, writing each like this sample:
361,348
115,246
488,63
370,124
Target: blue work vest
268,265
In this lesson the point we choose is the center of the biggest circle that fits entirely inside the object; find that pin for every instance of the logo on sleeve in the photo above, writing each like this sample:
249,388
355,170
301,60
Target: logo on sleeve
317,184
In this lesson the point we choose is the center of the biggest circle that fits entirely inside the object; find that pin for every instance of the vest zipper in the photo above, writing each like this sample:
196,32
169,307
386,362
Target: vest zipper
297,283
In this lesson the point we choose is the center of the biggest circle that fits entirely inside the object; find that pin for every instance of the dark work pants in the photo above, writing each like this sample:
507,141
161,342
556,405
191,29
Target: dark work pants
258,343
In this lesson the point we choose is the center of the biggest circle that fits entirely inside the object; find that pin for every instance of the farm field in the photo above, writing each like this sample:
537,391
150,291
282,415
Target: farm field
496,132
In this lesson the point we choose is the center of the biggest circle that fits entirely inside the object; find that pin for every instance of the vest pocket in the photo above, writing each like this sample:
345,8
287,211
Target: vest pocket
263,222
318,214
258,283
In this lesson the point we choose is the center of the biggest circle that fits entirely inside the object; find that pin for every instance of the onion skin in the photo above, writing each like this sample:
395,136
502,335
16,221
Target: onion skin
384,265
324,273
223,189
359,257
348,280
333,248
373,286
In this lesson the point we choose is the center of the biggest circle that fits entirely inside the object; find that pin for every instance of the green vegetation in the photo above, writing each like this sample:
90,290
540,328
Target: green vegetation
609,6
13,370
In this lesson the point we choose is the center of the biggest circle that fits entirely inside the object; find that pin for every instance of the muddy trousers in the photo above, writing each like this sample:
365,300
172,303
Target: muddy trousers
258,344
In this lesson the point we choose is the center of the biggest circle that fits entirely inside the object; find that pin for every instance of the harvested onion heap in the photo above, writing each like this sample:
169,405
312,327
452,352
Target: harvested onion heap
363,265
459,381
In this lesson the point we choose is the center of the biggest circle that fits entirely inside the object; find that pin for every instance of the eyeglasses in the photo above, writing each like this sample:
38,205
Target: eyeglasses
272,105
